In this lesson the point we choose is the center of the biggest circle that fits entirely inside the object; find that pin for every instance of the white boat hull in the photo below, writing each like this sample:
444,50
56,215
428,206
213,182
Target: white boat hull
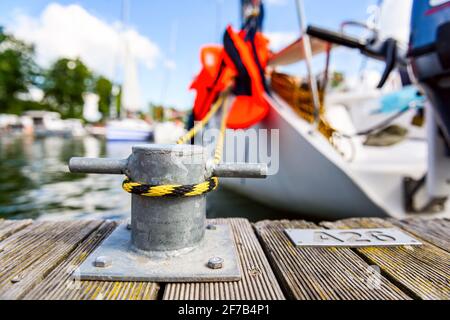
128,130
127,135
313,179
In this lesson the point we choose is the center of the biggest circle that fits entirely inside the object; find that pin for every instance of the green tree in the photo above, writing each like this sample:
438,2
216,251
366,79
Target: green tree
2,34
118,101
103,88
64,85
18,73
337,79
157,112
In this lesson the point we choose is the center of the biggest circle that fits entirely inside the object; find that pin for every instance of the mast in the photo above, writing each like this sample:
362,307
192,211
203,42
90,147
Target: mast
125,13
308,58
130,98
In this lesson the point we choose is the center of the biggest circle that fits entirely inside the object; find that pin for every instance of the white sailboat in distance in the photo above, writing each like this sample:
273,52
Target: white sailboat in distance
129,127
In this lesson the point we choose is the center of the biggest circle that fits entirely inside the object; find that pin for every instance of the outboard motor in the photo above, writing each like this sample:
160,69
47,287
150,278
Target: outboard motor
429,59
429,54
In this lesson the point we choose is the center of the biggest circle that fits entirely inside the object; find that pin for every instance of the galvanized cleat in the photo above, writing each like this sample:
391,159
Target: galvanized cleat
168,241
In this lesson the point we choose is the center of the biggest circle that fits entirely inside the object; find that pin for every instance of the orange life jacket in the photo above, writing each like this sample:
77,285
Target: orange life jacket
250,106
239,60
212,79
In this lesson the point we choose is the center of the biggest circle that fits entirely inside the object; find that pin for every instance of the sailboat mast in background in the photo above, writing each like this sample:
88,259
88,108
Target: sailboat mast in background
130,98
128,127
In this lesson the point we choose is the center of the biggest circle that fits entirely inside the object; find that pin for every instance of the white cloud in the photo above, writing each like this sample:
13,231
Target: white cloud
279,40
71,31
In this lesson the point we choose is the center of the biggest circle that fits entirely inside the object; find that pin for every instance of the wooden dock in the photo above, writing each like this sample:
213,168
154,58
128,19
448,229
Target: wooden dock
38,258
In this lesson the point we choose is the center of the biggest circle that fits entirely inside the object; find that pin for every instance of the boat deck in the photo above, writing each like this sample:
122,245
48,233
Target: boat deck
38,258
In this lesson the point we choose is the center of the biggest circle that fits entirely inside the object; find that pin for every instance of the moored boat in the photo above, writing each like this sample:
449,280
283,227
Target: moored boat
128,130
353,157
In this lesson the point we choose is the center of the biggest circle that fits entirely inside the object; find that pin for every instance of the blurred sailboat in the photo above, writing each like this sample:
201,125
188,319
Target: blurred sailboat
128,127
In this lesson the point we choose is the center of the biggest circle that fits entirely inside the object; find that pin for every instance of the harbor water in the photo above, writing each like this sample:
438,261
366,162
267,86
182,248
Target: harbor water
35,183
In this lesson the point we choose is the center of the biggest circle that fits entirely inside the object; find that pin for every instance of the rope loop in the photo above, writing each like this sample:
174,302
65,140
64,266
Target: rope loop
194,190
170,191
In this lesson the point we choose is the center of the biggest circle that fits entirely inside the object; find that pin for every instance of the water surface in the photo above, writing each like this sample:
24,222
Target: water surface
35,183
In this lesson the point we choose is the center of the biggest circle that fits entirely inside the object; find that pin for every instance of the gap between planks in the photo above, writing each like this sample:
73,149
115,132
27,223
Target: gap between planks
258,280
321,273
30,280
421,271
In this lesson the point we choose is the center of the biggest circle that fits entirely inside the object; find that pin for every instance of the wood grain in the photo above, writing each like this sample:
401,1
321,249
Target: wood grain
321,273
258,280
423,272
37,261
435,231
29,255
9,227
62,283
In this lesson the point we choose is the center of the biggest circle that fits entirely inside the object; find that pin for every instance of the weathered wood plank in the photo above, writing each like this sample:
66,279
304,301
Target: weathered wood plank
321,273
424,272
61,285
435,231
9,227
258,282
29,255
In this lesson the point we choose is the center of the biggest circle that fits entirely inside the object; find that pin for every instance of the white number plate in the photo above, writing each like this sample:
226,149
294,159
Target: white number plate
353,238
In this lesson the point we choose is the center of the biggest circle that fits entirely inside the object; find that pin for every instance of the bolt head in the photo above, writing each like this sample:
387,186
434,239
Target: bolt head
211,227
215,263
103,262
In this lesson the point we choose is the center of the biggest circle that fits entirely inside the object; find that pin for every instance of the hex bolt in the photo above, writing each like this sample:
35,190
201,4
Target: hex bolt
211,227
103,262
215,263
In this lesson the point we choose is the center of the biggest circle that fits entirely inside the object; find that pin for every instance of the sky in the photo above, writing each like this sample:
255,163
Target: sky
165,36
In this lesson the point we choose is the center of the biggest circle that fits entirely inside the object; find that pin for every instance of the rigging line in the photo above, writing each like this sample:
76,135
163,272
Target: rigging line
377,127
223,127
201,124
169,61
308,55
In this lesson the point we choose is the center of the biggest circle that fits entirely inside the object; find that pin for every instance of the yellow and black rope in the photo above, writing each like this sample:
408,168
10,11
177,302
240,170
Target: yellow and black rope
194,190
170,191
201,124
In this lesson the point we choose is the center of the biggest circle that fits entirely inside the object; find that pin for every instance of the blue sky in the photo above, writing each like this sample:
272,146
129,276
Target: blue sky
172,31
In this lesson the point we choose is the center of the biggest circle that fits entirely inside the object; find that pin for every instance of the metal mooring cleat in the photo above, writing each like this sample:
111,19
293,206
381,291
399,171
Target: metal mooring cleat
169,240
